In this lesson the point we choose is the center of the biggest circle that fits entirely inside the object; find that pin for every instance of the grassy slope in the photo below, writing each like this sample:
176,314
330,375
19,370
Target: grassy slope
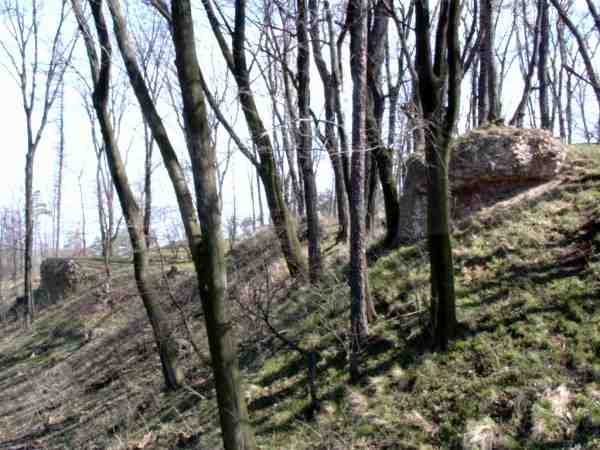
528,275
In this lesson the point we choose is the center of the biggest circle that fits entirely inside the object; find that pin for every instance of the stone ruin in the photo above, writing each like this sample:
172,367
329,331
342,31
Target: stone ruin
61,277
487,165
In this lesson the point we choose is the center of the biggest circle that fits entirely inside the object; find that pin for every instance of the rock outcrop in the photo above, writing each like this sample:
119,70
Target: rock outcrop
61,277
487,165
413,202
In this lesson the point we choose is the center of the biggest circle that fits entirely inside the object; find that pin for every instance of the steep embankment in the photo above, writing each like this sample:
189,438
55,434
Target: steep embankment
524,373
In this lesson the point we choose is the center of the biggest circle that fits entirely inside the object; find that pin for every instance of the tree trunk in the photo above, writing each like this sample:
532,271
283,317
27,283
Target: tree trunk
305,144
371,185
100,70
261,211
59,175
488,55
28,264
483,106
284,225
519,114
359,329
149,147
83,218
291,143
383,157
331,142
545,119
593,77
210,255
205,240
437,151
336,81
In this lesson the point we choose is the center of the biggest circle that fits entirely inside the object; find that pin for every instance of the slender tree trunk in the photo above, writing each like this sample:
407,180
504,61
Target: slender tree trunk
291,143
252,201
545,117
305,144
519,114
336,81
149,147
383,156
289,150
437,151
359,329
370,188
100,69
284,225
261,211
331,141
83,218
28,265
483,106
235,424
593,76
493,103
59,176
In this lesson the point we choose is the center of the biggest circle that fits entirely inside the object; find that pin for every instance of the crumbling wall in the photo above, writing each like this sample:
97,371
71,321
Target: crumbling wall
487,165
61,277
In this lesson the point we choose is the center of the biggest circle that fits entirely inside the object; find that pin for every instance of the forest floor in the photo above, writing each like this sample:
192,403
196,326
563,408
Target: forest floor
524,373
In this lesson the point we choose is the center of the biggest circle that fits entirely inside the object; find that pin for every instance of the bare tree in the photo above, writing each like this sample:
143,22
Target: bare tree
330,139
83,217
110,222
152,50
235,58
359,328
542,65
434,71
235,425
305,143
593,78
383,156
528,64
39,80
57,213
100,72
202,224
489,105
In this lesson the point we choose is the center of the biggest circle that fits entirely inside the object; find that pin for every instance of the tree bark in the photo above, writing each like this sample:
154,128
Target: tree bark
359,328
437,151
336,80
544,101
28,266
210,255
149,147
305,144
488,60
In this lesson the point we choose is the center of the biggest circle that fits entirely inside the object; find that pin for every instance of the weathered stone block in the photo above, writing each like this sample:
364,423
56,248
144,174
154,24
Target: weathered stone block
487,165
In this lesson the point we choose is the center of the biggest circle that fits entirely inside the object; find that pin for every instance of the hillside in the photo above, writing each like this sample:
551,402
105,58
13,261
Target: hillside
523,374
